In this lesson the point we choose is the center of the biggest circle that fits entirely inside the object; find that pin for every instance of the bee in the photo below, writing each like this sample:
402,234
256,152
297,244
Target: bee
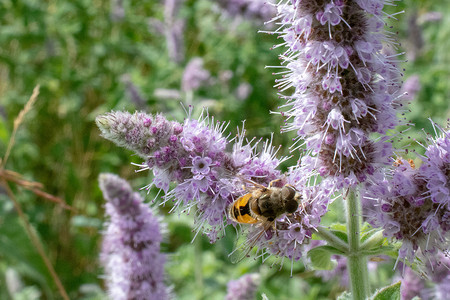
262,206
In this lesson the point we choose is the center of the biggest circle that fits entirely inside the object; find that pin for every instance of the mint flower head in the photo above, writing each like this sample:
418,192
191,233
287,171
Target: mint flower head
401,204
209,171
344,86
194,155
139,132
131,256
436,168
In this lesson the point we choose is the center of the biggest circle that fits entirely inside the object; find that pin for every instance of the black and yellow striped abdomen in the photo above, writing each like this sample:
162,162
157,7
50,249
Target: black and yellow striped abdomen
240,210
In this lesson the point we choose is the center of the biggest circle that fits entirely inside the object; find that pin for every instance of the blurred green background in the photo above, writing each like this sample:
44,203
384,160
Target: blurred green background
91,57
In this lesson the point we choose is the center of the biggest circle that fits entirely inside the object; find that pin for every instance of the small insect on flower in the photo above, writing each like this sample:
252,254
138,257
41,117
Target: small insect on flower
261,206
399,161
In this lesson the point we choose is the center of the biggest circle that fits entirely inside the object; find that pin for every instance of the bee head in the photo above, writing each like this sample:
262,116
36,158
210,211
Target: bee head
287,192
291,205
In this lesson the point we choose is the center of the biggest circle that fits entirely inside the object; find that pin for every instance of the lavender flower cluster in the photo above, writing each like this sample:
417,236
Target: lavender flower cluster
131,255
340,271
253,9
209,177
194,75
414,285
194,155
345,87
412,204
172,28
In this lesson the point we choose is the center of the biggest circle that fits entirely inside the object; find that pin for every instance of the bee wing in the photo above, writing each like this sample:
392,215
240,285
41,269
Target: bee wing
253,183
243,249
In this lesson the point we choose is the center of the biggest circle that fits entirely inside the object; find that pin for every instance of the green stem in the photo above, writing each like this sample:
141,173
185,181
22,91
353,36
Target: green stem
356,261
198,268
332,240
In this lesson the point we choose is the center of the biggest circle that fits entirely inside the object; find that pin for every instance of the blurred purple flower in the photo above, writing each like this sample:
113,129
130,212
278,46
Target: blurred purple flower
411,87
435,170
442,290
432,283
225,76
172,28
133,92
243,91
340,271
194,75
249,9
432,16
414,43
438,270
174,40
130,254
117,10
412,284
243,288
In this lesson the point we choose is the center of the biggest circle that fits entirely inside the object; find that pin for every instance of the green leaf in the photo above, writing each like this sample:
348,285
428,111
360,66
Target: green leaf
345,296
367,234
339,227
321,257
387,250
340,234
373,240
340,231
391,292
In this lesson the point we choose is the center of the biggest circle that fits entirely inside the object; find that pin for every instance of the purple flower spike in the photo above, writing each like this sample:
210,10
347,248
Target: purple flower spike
249,9
403,206
243,288
139,132
345,86
411,87
412,285
209,178
130,254
194,75
436,168
193,155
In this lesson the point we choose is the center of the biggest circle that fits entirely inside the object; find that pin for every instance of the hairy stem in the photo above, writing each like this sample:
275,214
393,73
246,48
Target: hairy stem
356,261
332,240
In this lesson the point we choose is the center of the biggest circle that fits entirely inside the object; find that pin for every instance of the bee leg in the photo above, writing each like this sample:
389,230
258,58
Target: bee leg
273,181
291,186
274,226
